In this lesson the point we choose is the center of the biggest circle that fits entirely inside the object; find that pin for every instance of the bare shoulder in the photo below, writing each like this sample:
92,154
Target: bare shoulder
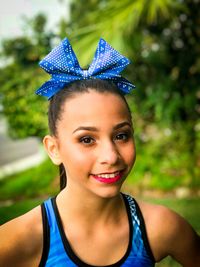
21,240
170,234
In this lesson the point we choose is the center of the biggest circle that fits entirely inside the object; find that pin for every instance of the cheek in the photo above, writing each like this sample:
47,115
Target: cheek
73,154
130,154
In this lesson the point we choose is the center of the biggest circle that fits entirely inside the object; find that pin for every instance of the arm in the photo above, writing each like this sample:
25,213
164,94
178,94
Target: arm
170,234
183,244
21,240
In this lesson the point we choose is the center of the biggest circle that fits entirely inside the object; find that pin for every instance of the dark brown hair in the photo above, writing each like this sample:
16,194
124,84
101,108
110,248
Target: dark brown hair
57,101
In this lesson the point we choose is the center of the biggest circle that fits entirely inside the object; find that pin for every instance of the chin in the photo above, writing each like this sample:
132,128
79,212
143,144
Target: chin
109,192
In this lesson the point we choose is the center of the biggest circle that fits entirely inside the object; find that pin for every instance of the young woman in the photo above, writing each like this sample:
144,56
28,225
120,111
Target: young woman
90,222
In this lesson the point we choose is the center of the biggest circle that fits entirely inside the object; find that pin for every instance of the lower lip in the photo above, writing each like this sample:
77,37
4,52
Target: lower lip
115,179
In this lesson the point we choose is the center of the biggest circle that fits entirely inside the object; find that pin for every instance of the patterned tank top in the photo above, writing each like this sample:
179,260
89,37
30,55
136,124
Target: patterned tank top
57,251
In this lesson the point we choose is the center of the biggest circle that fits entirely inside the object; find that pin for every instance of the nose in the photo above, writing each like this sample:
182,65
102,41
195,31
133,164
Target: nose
108,153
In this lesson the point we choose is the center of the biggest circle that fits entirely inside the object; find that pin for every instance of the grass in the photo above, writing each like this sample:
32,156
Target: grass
14,210
189,208
22,192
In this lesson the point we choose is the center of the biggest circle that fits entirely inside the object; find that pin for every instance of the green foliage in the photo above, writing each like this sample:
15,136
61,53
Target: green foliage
164,160
156,35
37,181
20,49
162,39
111,19
27,50
25,112
9,212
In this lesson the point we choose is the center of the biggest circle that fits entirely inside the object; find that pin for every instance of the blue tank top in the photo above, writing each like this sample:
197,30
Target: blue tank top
58,253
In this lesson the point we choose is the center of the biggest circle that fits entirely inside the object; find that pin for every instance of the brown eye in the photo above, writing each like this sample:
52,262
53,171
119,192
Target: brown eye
122,136
87,140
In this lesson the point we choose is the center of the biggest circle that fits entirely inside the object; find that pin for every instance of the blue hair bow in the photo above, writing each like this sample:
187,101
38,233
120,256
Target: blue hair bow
64,68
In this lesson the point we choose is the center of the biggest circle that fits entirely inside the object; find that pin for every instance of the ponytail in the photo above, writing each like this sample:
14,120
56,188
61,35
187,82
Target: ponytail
63,177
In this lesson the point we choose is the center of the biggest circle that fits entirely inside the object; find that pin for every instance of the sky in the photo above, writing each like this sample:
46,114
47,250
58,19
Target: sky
11,12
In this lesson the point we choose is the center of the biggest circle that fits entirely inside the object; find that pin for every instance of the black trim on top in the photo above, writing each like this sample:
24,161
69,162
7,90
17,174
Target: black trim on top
144,232
46,237
69,250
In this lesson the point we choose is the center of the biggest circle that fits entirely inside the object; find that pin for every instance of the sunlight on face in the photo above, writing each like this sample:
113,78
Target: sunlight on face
95,142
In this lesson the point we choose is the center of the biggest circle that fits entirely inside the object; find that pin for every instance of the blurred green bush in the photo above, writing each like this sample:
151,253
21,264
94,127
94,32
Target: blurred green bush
161,38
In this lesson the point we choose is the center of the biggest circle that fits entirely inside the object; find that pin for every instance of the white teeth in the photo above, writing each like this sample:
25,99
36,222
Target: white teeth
108,175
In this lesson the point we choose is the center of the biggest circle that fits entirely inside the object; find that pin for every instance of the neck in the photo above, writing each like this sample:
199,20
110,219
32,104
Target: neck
88,206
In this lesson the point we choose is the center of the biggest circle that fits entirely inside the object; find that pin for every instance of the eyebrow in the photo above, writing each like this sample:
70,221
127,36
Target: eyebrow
122,124
94,129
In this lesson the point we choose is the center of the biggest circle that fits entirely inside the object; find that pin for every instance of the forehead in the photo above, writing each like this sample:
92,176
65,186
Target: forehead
94,107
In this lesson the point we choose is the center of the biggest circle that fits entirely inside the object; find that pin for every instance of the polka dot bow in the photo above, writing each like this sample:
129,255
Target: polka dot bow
64,68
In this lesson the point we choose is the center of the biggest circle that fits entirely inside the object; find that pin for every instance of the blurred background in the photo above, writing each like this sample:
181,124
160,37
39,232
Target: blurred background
161,38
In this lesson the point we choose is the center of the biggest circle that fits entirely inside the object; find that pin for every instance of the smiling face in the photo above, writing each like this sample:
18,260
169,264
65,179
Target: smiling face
95,142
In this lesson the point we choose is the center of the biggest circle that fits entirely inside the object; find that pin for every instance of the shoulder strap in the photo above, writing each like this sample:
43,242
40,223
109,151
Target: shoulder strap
46,236
143,229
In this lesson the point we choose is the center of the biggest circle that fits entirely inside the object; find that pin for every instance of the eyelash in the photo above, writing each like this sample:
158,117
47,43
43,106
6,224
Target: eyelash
88,140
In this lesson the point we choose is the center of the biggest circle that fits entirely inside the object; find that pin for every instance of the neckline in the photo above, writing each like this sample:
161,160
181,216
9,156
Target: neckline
71,253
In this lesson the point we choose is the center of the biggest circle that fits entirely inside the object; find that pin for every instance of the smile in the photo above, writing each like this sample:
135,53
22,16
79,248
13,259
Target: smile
108,178
108,175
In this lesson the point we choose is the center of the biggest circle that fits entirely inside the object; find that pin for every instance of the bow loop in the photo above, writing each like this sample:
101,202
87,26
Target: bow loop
63,66
107,60
61,59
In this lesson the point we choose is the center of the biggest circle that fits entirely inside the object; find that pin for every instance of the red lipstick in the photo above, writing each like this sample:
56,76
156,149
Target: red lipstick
108,178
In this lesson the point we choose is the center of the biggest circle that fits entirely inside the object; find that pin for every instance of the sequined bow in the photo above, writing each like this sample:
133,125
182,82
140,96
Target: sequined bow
64,68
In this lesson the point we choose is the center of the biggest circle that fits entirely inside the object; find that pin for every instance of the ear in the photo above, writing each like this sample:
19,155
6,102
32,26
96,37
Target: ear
51,146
